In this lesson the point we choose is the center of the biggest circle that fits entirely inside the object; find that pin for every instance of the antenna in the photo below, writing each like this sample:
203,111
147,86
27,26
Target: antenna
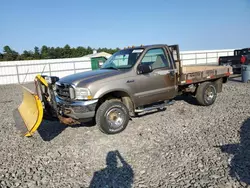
25,77
43,69
27,74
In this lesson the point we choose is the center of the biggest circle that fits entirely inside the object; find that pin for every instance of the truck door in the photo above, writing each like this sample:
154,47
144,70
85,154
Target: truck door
160,84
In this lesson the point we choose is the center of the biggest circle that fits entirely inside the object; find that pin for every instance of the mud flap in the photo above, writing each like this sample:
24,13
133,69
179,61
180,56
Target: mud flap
28,116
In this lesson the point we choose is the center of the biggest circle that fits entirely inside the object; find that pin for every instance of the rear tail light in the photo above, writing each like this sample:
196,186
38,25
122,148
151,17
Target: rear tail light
243,59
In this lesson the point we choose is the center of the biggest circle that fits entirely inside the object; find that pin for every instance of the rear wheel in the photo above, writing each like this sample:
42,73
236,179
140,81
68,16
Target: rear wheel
112,116
206,93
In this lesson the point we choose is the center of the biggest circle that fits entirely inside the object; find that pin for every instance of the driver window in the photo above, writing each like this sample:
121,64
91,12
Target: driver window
156,58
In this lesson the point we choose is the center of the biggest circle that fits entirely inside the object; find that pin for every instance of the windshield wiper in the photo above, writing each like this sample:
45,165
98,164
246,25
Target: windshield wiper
110,68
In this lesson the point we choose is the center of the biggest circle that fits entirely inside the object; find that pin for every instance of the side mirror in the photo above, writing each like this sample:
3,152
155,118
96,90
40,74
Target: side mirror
144,69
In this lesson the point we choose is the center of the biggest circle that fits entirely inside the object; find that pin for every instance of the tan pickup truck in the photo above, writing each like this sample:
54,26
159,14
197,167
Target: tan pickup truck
131,81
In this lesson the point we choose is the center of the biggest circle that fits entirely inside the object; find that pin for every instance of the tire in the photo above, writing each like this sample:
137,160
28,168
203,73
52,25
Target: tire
112,116
203,97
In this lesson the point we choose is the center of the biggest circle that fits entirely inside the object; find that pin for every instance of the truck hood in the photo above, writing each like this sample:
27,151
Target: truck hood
84,78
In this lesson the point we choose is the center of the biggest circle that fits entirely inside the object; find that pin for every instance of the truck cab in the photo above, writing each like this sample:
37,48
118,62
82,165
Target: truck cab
154,75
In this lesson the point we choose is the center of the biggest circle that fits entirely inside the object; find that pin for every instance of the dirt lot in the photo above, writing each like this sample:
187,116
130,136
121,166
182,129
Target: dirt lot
184,146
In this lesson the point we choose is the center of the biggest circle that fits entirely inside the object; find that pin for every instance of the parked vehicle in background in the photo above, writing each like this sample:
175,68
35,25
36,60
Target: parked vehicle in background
240,57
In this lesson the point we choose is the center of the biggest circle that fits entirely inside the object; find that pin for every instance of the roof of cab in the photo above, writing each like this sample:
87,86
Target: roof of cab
145,46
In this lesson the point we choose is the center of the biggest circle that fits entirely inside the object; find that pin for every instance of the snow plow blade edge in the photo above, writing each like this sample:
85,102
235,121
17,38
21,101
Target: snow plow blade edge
28,116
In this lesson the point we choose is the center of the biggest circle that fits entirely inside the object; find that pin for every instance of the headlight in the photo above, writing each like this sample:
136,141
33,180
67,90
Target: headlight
82,94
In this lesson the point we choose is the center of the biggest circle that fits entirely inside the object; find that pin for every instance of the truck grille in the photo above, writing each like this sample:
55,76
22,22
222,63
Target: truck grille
64,90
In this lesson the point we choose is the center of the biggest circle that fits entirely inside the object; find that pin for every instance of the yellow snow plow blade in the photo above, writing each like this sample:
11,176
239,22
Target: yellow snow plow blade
28,116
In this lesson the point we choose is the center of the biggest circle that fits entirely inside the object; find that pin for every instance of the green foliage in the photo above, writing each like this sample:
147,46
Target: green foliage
46,52
26,55
37,54
9,54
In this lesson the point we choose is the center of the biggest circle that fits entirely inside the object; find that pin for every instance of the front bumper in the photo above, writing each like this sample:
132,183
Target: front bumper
76,109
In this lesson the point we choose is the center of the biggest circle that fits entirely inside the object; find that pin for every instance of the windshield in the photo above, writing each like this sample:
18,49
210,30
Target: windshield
242,52
245,51
123,59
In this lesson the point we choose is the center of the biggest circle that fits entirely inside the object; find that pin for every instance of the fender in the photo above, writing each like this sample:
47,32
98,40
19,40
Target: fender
107,89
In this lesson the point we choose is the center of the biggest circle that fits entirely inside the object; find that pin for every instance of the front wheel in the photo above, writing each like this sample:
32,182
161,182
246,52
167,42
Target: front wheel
206,93
112,116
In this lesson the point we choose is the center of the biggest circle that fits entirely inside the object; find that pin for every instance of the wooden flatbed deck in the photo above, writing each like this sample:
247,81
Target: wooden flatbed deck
194,74
191,69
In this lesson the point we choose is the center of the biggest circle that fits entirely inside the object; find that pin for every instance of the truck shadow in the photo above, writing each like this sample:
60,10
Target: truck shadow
142,114
187,98
240,162
113,175
49,129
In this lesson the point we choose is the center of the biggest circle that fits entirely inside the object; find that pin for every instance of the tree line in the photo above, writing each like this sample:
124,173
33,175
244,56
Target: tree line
46,52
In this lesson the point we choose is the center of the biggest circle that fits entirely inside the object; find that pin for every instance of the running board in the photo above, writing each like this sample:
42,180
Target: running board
159,106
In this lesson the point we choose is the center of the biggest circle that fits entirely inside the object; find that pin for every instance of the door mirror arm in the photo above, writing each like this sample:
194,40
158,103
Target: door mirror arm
172,72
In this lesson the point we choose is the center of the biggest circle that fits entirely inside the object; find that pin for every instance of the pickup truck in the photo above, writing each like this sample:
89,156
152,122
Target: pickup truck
132,81
240,57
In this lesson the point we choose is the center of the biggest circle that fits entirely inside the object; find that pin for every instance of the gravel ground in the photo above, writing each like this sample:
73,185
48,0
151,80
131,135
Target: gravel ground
184,146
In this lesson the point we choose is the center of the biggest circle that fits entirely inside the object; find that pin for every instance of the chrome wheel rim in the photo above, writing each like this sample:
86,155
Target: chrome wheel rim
115,117
210,93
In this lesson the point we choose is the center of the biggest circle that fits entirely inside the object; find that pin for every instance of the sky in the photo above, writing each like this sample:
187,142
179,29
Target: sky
193,24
